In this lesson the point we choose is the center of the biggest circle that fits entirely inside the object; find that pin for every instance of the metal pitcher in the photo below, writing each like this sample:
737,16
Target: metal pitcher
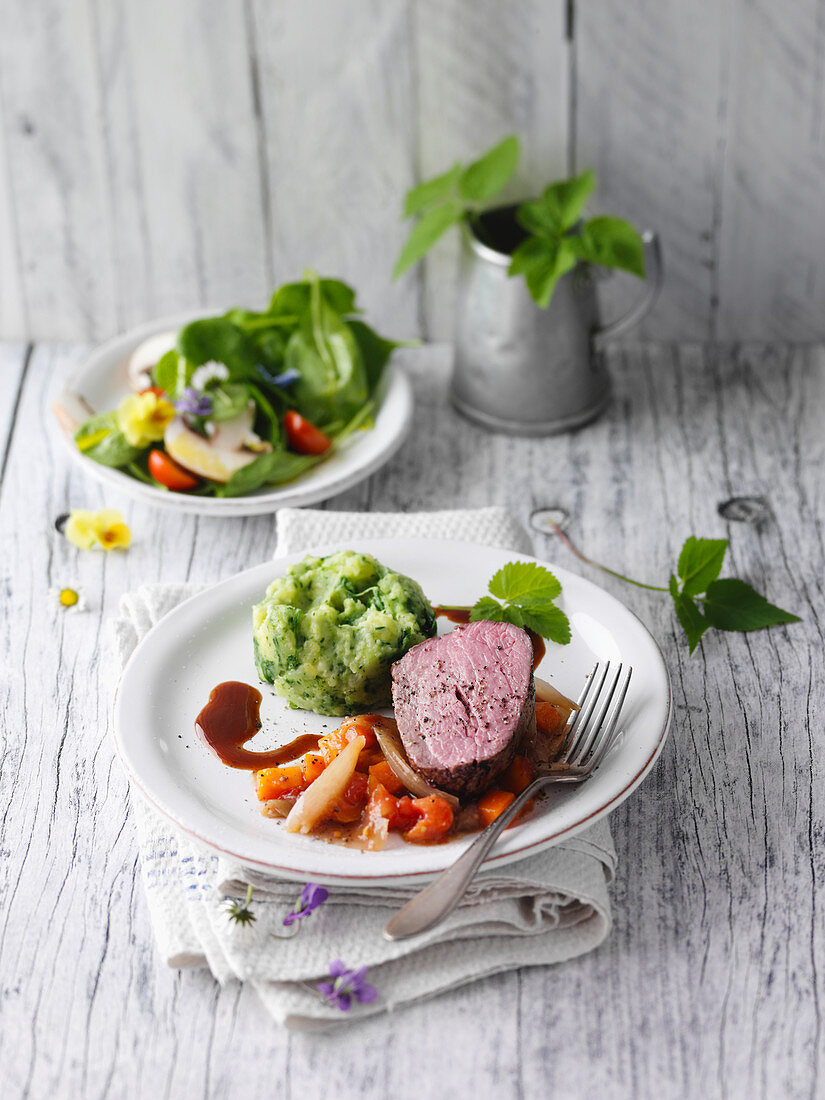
525,370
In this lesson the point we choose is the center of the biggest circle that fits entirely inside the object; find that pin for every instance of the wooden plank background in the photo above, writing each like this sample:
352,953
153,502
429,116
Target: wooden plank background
163,155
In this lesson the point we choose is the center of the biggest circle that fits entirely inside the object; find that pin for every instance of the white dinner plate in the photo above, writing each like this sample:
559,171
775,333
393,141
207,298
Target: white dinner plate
101,382
208,639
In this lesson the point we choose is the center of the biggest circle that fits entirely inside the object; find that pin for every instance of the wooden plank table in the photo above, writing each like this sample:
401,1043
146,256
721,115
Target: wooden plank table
711,982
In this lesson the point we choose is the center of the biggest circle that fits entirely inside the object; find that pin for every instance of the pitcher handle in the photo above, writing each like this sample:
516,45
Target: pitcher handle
655,278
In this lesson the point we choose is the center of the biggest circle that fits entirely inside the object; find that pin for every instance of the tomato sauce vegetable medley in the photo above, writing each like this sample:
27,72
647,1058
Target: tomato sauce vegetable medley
346,789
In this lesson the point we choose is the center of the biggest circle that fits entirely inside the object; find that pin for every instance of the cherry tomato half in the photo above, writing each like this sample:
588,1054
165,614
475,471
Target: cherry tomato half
158,391
303,436
165,470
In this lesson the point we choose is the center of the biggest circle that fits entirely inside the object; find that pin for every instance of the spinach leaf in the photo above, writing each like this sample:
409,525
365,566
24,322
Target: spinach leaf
228,400
171,373
272,468
100,439
293,299
375,350
332,382
219,340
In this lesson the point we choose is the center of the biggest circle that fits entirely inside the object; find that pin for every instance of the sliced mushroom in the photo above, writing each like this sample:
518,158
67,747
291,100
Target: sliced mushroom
147,355
231,446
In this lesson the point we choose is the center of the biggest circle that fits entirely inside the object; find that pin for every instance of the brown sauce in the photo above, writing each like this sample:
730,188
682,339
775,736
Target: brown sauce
462,615
232,717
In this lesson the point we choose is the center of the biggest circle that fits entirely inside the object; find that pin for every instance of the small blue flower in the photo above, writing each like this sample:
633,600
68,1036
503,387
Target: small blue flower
345,986
193,402
311,897
286,377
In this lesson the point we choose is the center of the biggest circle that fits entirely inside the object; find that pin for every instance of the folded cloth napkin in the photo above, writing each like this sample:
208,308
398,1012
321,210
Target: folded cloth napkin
544,909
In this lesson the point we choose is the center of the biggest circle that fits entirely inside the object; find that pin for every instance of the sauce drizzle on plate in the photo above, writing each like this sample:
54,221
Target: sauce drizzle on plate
232,717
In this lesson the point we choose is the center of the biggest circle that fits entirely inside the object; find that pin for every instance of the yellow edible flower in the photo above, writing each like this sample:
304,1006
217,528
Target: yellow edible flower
106,528
110,530
142,417
80,529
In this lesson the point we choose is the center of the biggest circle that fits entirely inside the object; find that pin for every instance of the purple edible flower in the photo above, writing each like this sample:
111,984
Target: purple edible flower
311,897
346,985
193,402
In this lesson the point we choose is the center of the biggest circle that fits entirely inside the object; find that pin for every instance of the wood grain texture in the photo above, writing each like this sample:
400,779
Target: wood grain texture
180,143
711,983
772,229
485,70
337,128
650,117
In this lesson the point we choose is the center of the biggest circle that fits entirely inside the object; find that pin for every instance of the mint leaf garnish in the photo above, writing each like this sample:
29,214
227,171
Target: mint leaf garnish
528,591
519,580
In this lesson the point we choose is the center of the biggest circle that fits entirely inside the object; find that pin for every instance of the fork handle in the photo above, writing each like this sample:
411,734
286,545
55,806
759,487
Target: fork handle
437,901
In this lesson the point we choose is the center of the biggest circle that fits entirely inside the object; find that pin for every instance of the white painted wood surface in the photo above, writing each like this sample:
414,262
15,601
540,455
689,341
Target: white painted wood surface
159,156
711,984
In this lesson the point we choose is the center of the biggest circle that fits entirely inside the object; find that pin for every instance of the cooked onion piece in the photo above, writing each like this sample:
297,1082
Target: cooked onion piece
320,796
390,741
546,693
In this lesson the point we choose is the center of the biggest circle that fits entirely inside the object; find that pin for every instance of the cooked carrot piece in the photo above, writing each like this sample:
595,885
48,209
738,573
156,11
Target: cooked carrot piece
492,804
313,766
277,782
382,773
435,819
519,775
549,717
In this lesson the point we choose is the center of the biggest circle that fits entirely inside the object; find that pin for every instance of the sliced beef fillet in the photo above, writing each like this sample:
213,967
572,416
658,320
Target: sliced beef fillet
464,702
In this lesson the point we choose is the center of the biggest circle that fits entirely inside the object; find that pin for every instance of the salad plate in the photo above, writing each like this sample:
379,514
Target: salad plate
208,640
101,382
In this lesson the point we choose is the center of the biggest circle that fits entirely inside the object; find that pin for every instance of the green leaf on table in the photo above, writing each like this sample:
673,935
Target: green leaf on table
542,262
486,176
560,206
693,621
423,235
611,242
731,604
432,192
700,563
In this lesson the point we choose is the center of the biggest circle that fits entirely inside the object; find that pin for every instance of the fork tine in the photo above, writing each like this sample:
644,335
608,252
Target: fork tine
597,719
587,702
605,739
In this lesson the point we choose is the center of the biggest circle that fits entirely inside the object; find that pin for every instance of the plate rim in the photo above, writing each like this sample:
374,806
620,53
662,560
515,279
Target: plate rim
396,386
400,877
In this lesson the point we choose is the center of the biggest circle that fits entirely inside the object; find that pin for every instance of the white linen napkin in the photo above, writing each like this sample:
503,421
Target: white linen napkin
544,909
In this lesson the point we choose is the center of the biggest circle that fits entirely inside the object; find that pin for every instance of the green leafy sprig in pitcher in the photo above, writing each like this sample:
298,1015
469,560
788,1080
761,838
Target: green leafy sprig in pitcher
555,239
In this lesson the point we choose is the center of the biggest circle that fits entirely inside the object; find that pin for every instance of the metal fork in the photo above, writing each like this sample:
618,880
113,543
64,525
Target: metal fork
587,740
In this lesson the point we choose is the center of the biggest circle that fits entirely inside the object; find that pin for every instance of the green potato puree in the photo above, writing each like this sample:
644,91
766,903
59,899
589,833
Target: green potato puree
328,631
